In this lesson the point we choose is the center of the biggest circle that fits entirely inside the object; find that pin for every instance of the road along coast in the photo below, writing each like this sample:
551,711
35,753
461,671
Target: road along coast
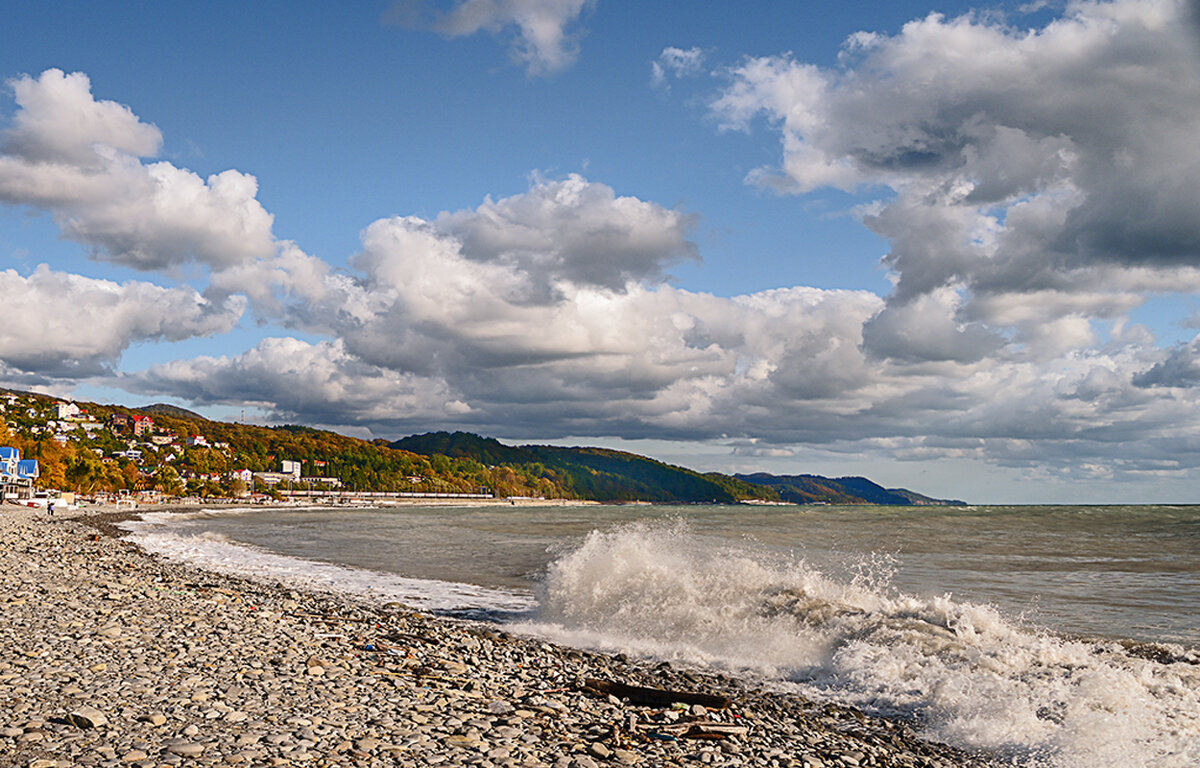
111,657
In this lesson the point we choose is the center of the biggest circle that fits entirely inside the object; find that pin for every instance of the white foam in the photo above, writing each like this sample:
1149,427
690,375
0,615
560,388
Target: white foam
160,534
968,675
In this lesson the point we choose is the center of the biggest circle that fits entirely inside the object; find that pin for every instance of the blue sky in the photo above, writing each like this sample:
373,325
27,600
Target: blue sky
948,246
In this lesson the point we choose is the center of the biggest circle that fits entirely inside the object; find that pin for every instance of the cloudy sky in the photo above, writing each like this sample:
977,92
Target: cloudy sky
949,246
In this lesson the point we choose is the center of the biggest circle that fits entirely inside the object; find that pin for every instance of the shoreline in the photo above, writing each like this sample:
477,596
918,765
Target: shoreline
113,657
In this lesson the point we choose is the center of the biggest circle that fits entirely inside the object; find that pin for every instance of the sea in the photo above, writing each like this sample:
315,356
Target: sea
1046,636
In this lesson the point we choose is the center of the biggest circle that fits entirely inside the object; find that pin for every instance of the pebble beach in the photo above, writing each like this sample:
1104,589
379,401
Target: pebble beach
112,657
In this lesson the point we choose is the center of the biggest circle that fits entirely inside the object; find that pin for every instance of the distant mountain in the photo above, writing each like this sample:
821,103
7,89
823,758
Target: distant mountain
465,445
163,409
607,475
90,459
811,489
918,499
599,474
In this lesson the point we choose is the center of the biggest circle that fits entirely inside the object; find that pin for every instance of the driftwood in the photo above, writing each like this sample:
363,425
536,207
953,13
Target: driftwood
653,697
329,619
701,729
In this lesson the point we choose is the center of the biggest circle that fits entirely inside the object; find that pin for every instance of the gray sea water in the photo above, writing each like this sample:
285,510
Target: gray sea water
1051,636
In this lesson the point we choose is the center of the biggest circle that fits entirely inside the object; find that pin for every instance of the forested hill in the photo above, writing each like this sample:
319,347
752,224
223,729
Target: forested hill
810,489
591,473
608,475
92,448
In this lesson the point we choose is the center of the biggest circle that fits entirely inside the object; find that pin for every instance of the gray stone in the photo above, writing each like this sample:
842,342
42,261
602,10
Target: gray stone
185,748
87,717
601,751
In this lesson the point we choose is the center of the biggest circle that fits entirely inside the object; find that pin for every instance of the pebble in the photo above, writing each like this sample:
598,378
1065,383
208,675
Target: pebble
87,717
185,748
111,658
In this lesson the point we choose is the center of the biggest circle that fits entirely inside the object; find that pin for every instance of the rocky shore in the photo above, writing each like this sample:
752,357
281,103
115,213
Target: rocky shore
110,657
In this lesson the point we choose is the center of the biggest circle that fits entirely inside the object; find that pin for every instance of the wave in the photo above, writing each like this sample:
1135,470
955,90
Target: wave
963,672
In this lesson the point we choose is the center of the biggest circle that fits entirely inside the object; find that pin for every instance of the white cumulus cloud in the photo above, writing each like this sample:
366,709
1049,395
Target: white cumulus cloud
81,160
63,325
1019,161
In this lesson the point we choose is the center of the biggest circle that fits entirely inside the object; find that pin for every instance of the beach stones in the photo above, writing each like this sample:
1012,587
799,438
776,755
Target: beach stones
186,668
87,717
185,748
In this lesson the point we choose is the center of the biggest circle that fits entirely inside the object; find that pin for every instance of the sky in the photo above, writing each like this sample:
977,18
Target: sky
949,246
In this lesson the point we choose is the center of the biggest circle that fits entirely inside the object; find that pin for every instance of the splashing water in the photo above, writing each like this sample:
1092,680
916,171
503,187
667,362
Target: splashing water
963,672
707,593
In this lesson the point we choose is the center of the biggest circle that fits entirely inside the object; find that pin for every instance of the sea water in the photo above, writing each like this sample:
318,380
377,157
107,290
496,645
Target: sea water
1047,636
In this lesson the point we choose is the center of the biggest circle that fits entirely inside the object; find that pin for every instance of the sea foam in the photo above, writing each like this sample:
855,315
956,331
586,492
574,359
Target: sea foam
965,674
962,672
161,534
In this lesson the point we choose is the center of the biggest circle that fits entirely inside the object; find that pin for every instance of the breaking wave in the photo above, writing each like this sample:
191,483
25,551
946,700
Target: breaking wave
965,674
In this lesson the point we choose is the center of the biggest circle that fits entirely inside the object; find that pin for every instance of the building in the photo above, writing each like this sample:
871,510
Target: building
142,426
292,475
17,474
68,410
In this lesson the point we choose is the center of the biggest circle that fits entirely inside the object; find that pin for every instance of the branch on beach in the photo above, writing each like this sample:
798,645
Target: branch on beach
653,697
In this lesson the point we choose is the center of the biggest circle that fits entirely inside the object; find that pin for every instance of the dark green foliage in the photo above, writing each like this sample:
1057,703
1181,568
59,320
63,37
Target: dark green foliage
163,409
811,489
464,445
599,474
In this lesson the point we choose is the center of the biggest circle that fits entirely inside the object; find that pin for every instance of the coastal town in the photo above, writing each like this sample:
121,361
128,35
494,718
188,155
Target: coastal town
147,455
128,458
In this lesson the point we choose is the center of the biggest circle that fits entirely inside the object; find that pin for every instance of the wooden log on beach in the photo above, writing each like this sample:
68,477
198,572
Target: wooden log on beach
653,697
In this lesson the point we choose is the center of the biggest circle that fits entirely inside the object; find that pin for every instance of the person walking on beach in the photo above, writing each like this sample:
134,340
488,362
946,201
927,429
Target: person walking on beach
50,508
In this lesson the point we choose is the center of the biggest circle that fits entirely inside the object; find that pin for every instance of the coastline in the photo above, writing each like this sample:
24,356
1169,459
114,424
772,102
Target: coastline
112,657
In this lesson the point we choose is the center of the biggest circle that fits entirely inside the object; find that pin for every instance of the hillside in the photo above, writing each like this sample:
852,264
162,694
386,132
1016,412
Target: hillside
812,489
591,473
92,448
184,453
608,475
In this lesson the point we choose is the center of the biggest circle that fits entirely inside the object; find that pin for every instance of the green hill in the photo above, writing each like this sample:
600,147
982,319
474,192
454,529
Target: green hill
599,474
607,475
812,489
184,447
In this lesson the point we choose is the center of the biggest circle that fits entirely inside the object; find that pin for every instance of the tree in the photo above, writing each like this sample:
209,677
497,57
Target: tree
167,480
132,475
